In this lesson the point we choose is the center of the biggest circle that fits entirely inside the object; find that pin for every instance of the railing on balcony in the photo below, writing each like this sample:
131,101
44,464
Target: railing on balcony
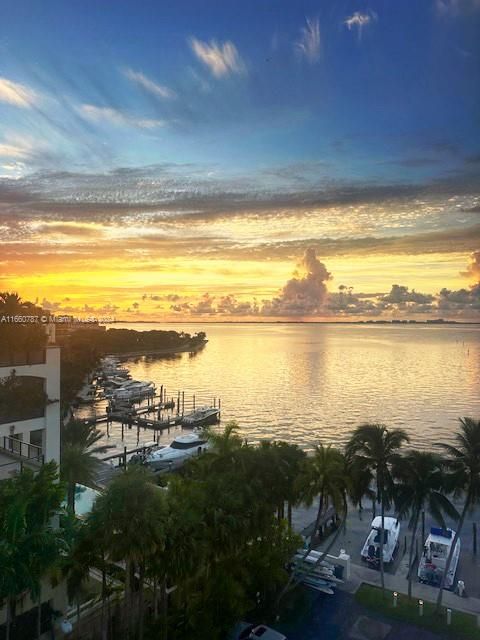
9,469
22,449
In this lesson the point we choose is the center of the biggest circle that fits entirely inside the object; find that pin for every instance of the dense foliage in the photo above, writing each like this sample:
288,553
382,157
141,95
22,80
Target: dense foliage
79,464
214,540
19,340
79,356
21,398
29,544
189,559
125,340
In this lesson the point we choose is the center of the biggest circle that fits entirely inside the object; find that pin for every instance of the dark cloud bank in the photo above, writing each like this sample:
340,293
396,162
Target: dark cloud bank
306,295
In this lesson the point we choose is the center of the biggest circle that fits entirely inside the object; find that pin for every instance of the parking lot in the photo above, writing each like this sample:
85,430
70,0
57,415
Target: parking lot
353,536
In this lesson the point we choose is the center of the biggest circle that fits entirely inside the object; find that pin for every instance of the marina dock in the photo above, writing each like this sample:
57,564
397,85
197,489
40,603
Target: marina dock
154,411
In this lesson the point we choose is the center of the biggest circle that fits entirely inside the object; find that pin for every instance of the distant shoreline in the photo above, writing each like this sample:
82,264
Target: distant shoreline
369,323
160,352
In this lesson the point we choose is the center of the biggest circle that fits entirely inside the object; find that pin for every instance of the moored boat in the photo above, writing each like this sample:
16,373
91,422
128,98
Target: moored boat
177,453
201,416
134,390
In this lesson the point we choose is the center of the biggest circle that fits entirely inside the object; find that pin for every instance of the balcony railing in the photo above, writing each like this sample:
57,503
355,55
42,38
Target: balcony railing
9,469
22,449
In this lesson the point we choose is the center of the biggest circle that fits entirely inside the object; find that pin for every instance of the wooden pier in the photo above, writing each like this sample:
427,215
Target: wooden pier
167,413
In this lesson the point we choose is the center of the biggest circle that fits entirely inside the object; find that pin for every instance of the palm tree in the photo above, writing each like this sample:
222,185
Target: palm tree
289,464
131,515
360,485
17,336
375,447
463,465
421,487
30,546
227,442
79,464
10,303
326,476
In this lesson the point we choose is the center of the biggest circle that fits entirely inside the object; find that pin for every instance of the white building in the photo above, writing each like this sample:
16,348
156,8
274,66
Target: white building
29,442
35,438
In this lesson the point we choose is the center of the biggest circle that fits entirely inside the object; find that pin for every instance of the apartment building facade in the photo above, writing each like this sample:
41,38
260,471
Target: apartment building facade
30,425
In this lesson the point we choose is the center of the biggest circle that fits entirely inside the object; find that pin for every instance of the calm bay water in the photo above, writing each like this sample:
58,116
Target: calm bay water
306,383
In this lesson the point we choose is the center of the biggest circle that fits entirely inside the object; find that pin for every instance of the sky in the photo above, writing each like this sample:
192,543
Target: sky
252,160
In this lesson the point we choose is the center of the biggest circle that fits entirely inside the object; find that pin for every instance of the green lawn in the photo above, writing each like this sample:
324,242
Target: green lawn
464,625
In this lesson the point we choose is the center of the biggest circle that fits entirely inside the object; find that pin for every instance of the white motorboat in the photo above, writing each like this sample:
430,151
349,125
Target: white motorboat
134,390
115,370
111,366
116,382
118,385
180,450
371,548
434,558
201,416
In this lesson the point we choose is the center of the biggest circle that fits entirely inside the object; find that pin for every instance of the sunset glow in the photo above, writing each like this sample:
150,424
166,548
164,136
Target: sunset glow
174,169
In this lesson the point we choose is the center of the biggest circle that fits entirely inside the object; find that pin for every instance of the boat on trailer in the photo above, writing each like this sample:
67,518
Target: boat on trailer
434,558
371,548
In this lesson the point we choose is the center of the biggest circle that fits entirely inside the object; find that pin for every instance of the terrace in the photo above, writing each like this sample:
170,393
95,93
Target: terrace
15,455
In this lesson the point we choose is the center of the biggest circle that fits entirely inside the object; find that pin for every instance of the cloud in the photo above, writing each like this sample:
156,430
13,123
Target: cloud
19,147
205,306
359,21
230,305
69,229
309,42
415,161
157,90
347,303
16,94
171,297
221,59
15,149
450,8
473,269
461,302
116,117
305,294
400,294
